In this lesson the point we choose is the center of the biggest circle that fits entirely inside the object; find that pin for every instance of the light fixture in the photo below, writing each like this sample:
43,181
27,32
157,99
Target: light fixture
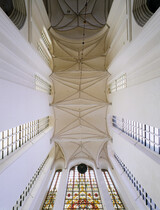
82,168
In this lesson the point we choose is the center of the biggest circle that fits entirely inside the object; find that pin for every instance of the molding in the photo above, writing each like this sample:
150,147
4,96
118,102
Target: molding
24,61
155,157
127,192
35,193
138,50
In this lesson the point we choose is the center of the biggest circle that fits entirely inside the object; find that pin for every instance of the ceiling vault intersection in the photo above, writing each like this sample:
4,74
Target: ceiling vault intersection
79,79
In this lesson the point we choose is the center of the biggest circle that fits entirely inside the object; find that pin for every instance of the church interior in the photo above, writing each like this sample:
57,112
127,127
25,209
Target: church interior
80,104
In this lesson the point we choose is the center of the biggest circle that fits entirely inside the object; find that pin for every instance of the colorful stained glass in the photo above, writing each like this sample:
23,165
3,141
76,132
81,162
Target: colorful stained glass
51,196
117,203
82,191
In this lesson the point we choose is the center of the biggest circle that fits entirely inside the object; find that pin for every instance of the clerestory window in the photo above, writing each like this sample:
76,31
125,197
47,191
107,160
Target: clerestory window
51,195
116,200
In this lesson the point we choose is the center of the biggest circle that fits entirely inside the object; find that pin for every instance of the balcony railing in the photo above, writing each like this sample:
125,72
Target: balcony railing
23,196
141,191
118,84
42,85
147,135
14,138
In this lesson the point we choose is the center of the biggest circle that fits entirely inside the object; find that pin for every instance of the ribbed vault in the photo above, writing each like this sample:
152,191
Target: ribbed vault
80,105
67,16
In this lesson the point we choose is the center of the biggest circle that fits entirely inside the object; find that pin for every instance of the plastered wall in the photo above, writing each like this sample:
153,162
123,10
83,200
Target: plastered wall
21,103
15,178
139,102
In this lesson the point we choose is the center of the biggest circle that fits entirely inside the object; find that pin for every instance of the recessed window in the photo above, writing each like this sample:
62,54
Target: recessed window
116,200
118,84
51,195
142,193
14,138
82,191
47,40
42,85
44,53
45,47
147,135
24,195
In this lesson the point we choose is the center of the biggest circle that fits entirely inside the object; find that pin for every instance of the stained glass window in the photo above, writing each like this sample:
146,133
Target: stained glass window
51,196
82,191
117,203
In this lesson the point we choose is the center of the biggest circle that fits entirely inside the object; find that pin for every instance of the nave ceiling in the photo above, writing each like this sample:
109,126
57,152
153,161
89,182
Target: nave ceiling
67,16
80,103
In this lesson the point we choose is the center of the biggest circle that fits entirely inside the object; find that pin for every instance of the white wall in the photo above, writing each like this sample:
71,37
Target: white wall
15,178
117,36
39,19
38,194
145,169
24,29
139,102
128,194
21,103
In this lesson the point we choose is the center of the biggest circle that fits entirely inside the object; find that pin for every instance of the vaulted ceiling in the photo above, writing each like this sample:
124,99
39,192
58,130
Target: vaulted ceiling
79,80
67,15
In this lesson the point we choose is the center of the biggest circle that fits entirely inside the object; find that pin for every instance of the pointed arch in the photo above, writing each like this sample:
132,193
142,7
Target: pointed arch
82,190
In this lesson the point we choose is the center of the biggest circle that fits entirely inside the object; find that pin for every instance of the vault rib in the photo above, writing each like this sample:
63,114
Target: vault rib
98,99
92,66
65,99
68,136
87,139
75,151
72,81
65,50
88,152
79,79
65,73
69,129
67,84
96,81
98,107
94,103
92,126
66,58
78,43
63,109
94,46
82,110
54,70
61,131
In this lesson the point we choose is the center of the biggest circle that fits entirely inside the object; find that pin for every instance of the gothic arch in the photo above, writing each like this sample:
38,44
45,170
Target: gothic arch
143,10
78,161
15,10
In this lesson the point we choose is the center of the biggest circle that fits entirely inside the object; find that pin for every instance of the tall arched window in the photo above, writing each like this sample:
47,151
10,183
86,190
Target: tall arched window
51,195
82,190
116,200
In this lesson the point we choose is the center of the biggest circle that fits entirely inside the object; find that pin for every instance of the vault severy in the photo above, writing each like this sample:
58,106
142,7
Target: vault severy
67,16
80,104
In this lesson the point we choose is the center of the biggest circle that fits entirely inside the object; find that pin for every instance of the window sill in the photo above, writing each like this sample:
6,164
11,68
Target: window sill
153,155
5,163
